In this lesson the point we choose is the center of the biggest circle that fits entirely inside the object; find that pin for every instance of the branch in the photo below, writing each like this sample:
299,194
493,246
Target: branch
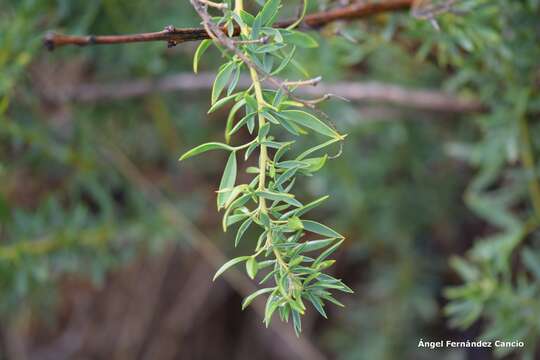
174,36
354,91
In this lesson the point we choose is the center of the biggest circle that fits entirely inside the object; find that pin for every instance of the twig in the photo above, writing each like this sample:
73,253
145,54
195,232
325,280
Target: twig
430,11
307,82
174,36
354,91
262,40
219,35
213,4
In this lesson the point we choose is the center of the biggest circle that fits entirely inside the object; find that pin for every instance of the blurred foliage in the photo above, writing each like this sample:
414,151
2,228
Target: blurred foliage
410,192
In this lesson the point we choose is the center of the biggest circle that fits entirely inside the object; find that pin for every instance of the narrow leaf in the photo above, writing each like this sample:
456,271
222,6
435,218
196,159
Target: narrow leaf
199,53
227,180
229,264
327,253
299,39
248,300
317,244
320,229
241,231
204,148
304,209
305,119
288,198
252,267
230,119
222,78
269,11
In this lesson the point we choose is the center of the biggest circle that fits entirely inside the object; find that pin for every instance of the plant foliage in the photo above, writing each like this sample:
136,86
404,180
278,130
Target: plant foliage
290,266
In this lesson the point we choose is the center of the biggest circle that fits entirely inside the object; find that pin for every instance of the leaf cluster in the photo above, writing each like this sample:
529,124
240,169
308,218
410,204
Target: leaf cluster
292,265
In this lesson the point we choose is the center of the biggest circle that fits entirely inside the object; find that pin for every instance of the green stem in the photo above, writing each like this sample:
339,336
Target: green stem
263,155
240,147
238,6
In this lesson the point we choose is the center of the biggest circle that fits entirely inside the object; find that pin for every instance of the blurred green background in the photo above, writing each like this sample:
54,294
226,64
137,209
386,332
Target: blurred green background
108,244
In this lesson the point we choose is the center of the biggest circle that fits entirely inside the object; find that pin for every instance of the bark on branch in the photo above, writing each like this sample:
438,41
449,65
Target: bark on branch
425,99
174,36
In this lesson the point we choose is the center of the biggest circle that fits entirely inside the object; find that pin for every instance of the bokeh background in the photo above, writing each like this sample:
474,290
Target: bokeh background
108,244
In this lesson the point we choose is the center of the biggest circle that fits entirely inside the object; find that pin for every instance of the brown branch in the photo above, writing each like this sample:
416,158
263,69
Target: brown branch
174,36
425,99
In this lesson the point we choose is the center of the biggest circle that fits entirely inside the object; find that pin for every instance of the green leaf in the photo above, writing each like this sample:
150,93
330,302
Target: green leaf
247,18
241,231
233,194
297,322
271,306
230,119
250,150
294,223
324,265
252,267
297,305
318,147
248,300
317,304
332,300
296,261
305,119
327,253
289,173
269,11
268,57
292,164
233,219
220,103
235,79
241,123
256,29
317,244
227,180
199,53
288,198
238,203
229,264
300,17
284,63
315,164
251,102
204,148
304,209
287,125
222,78
299,39
266,49
282,150
263,132
267,276
317,228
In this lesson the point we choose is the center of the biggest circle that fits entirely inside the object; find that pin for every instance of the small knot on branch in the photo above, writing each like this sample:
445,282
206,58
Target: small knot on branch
170,29
48,41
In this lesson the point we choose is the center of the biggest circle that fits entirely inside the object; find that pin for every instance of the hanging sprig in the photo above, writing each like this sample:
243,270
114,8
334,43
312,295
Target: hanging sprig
291,268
